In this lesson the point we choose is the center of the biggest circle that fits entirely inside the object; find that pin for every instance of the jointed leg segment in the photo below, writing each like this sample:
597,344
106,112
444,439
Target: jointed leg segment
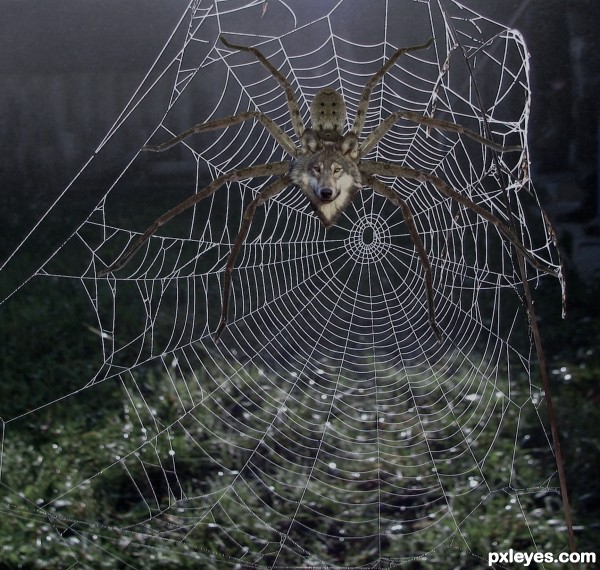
283,82
363,105
388,193
268,193
278,134
273,168
369,168
374,137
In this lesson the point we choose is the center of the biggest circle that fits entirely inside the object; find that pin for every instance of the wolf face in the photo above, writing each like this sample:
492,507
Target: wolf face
329,178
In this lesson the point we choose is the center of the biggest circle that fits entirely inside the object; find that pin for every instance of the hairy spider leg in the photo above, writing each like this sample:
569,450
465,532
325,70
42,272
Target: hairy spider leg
278,134
266,194
388,193
283,82
363,104
369,168
270,169
382,129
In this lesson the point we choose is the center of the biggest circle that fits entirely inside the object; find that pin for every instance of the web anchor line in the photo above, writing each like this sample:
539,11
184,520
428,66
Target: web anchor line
533,322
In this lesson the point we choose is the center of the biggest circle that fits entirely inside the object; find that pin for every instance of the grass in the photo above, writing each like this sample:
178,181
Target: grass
82,477
107,482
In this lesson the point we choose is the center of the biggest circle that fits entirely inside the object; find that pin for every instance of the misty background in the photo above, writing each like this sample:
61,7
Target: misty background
68,68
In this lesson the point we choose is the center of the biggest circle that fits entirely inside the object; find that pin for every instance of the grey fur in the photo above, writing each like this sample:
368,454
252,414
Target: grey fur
329,179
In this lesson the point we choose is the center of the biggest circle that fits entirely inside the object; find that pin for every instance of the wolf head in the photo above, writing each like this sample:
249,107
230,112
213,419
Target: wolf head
329,178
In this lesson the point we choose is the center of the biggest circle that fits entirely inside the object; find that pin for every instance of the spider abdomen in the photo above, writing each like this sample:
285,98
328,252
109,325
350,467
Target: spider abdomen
328,114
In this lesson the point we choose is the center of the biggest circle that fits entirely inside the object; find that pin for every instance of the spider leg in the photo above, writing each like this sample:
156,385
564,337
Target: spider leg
281,137
273,168
266,194
369,168
363,105
283,82
374,137
393,197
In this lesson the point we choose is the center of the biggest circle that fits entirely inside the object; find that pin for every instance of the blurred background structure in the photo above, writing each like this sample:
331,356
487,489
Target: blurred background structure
68,69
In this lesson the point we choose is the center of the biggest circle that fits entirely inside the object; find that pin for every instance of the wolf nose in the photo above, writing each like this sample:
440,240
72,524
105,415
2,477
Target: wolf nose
326,194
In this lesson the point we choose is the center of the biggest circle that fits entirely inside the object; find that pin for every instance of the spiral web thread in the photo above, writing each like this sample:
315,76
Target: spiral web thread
353,435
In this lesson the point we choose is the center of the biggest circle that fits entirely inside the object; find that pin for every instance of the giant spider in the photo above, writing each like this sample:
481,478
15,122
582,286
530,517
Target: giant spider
328,168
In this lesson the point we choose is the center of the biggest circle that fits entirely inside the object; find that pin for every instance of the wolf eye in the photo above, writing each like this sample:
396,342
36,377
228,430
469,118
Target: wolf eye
317,168
337,169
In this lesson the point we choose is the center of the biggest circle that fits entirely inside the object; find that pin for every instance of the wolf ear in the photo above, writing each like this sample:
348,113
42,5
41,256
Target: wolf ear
349,146
310,142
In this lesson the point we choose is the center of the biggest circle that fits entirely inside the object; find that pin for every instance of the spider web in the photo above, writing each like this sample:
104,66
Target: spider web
352,437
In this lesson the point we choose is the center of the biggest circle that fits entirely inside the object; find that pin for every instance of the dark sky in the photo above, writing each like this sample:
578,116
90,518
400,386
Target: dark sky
76,35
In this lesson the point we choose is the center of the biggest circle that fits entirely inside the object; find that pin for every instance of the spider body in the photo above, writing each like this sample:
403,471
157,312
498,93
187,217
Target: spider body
328,115
328,168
